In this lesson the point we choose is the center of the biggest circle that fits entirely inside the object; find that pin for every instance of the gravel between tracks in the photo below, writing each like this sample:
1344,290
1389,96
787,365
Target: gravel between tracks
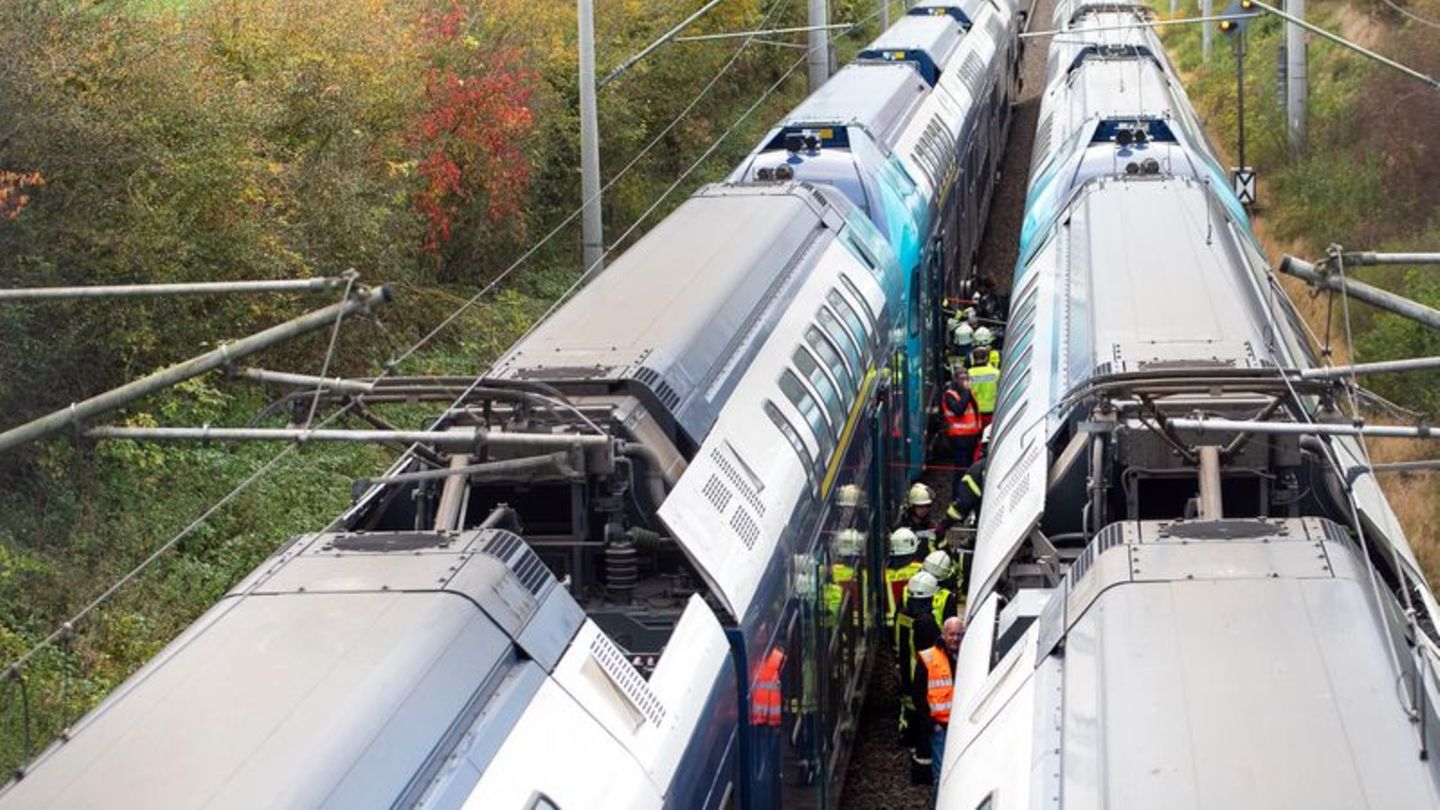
879,770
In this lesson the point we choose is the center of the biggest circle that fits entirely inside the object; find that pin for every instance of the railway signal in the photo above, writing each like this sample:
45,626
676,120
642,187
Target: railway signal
1236,17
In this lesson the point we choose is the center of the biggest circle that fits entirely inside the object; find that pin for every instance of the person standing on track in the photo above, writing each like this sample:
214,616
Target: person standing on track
984,382
963,424
936,691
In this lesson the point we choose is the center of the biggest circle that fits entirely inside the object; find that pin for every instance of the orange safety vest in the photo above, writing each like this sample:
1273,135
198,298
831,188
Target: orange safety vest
765,696
965,423
940,683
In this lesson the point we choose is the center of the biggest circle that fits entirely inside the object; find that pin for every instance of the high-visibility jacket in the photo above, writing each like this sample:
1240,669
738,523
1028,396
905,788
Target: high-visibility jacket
896,578
962,412
765,697
994,358
942,606
984,382
842,579
939,683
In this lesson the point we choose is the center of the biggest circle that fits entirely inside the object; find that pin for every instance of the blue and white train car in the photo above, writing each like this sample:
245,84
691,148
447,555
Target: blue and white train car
1168,610
912,133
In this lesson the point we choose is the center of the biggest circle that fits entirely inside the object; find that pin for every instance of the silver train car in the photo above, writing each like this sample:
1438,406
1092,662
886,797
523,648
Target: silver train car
1164,611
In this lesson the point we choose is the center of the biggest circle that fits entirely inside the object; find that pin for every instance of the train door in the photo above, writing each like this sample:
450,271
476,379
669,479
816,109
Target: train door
802,745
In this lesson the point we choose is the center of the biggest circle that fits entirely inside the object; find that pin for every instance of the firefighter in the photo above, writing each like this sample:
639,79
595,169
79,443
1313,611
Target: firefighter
919,515
917,626
847,574
904,563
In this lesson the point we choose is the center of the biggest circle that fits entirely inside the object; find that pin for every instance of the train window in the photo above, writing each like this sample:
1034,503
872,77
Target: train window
841,338
862,251
831,356
1018,346
917,302
809,409
788,431
822,383
851,319
864,302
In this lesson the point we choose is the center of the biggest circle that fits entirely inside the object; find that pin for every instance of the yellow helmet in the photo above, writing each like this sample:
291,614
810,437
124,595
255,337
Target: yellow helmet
920,495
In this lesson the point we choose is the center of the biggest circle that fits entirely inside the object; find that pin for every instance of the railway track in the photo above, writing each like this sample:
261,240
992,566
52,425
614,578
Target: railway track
879,773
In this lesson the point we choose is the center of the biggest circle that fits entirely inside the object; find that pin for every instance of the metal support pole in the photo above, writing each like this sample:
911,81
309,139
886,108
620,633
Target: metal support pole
1207,29
1296,78
592,236
364,301
1365,258
1240,95
884,14
443,439
818,61
1211,506
1362,369
1360,291
296,285
1357,428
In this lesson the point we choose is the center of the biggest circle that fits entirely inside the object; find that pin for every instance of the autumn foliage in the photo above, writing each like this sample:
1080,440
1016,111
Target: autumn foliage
13,196
469,135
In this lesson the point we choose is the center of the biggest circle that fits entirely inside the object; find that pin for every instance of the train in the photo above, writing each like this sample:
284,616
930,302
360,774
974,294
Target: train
1189,589
636,566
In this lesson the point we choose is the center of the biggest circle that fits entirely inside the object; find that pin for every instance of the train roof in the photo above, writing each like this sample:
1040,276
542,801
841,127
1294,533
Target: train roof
962,11
1191,664
336,676
879,97
936,37
1142,273
680,311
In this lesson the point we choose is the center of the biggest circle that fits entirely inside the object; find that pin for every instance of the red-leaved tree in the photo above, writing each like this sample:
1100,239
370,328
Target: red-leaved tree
469,136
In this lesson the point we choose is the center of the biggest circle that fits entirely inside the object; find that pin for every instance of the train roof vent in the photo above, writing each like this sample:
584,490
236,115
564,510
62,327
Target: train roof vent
522,561
627,679
651,378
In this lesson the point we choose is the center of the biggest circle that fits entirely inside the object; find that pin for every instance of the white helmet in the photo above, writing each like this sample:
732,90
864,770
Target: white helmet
923,585
848,495
920,495
849,543
969,313
903,542
964,335
983,336
937,564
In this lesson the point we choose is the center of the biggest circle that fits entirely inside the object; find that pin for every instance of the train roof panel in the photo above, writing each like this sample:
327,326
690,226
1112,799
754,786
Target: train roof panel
879,97
937,36
968,9
335,677
1224,635
680,311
